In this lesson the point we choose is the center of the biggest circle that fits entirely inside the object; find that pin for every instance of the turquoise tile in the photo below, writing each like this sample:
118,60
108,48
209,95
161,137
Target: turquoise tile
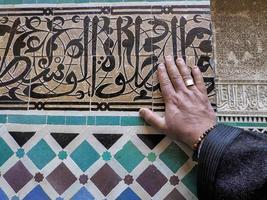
174,157
41,154
132,121
244,124
84,156
75,120
27,119
13,1
108,120
66,1
129,156
56,120
190,180
5,152
91,120
82,1
3,119
47,1
29,1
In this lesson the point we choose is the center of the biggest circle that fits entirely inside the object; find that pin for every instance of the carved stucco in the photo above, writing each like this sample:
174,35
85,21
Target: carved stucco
240,55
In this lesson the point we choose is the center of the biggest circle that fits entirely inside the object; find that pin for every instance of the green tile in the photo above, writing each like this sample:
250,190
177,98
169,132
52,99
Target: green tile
129,156
107,120
84,156
27,119
174,157
57,120
245,124
29,1
41,154
190,180
66,1
5,152
132,121
82,1
3,119
13,2
75,120
47,1
91,120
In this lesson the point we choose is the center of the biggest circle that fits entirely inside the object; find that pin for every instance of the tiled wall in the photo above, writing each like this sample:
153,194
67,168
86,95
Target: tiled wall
79,136
93,162
67,143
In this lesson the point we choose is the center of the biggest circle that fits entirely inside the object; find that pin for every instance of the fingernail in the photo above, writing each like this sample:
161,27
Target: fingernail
194,67
142,112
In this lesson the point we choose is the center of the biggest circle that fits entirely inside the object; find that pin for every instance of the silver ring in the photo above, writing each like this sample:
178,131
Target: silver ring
189,82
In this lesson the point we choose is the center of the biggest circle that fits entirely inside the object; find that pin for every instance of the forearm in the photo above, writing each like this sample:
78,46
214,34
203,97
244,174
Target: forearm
232,164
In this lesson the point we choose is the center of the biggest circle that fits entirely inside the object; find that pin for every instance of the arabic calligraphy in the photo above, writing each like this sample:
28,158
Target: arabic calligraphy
74,58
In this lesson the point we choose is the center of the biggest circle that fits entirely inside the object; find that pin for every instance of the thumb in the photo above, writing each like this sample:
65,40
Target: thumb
152,118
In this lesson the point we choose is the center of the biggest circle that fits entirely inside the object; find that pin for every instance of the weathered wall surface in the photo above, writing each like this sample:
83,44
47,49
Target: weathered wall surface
240,29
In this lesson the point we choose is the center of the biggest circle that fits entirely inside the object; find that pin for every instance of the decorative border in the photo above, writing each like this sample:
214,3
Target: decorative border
116,120
108,9
239,97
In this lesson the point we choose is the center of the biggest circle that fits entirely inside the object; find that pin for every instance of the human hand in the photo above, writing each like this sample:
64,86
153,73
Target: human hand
188,112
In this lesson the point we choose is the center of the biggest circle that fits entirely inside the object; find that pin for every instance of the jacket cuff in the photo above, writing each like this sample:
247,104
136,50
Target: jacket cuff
212,150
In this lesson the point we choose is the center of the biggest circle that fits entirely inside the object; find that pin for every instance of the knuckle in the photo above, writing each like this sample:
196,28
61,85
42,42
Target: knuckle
188,93
164,82
176,77
187,76
173,99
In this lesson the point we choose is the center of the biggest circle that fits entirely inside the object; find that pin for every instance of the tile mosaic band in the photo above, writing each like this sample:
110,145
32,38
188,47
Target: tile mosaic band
117,120
53,163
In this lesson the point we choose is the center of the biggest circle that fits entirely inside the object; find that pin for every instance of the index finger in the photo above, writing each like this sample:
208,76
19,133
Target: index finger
165,82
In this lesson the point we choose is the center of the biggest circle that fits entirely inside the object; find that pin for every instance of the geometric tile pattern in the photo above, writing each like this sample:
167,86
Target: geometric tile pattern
128,173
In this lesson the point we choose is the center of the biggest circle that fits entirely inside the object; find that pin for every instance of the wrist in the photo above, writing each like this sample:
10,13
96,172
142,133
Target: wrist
200,139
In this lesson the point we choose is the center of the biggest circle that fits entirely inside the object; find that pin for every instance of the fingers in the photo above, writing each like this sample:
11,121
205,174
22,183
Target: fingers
174,74
165,83
152,118
198,79
184,70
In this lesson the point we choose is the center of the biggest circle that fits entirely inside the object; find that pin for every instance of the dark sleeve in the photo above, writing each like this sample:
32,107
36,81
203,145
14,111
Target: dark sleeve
233,165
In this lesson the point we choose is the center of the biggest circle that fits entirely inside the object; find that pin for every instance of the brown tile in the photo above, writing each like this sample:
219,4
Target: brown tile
152,180
61,178
18,176
106,179
174,195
